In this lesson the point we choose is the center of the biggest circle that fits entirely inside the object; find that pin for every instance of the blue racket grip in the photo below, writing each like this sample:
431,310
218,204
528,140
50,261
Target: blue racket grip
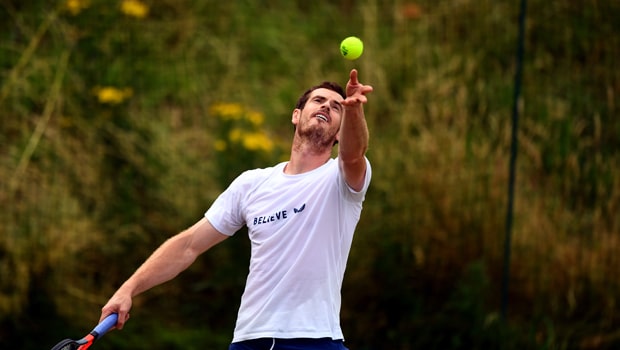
105,325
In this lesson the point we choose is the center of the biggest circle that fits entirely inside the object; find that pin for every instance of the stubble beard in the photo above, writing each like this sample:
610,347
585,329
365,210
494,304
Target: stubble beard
315,138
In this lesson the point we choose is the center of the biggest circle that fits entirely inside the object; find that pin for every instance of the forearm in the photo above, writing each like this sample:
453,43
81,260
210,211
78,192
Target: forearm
352,147
354,135
170,259
353,138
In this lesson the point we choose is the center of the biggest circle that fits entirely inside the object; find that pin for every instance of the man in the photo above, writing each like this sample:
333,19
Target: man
300,215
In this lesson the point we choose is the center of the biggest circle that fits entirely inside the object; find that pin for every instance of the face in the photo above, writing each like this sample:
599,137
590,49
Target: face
319,120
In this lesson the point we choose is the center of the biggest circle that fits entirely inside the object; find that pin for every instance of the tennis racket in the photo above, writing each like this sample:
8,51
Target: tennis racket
87,341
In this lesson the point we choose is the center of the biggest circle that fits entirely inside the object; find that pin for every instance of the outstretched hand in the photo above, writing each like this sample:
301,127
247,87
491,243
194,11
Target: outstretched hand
356,91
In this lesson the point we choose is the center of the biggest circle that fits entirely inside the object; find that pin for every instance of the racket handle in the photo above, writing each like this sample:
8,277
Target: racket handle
105,325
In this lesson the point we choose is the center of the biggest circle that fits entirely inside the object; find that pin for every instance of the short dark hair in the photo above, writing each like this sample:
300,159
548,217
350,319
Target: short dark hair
324,85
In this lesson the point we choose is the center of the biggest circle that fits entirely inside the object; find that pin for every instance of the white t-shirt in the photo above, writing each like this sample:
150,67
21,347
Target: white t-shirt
301,228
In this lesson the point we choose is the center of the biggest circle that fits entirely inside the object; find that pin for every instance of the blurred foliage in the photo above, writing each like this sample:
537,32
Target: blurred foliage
121,121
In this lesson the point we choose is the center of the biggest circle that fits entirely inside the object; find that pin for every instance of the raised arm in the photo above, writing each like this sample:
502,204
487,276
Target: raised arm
166,262
353,138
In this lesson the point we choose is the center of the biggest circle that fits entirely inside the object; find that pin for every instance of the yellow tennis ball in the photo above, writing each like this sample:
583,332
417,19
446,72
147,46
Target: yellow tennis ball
351,48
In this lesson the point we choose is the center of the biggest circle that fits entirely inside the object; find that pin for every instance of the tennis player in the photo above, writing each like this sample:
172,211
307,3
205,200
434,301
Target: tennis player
301,215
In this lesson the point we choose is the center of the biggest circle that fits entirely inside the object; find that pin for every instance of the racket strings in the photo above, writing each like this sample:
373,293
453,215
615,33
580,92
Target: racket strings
67,344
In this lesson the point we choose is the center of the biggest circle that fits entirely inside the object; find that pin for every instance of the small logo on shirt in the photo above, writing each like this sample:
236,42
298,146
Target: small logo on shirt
300,209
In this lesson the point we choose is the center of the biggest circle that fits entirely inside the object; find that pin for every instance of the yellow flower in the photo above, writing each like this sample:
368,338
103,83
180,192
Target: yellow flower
76,6
134,8
257,141
251,140
112,95
255,118
220,145
227,111
235,135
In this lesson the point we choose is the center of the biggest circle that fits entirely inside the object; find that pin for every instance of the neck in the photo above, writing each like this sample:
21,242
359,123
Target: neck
305,158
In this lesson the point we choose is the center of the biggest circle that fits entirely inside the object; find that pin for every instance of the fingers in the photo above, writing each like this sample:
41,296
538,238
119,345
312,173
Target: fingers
119,322
123,316
353,77
355,100
354,85
358,97
115,305
356,91
122,319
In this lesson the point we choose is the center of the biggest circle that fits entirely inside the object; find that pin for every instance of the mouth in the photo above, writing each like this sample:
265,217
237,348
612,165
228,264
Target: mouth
322,116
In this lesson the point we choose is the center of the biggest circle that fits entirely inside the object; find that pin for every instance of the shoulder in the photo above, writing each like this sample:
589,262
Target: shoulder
250,178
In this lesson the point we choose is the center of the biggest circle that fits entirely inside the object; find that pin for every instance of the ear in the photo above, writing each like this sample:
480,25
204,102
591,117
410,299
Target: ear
296,115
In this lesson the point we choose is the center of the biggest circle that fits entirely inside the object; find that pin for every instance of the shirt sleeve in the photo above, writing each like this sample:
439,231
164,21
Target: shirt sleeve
350,193
225,214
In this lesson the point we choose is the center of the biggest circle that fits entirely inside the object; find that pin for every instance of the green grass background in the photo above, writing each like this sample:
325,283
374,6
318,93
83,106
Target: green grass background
118,128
